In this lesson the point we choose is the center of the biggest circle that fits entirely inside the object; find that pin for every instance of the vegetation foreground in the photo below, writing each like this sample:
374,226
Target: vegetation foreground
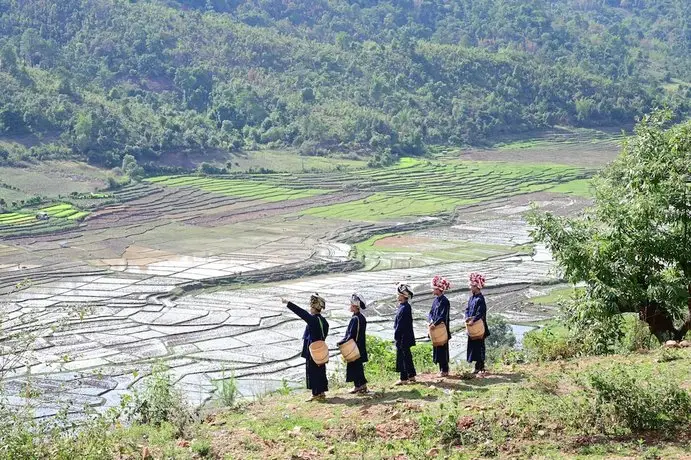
627,405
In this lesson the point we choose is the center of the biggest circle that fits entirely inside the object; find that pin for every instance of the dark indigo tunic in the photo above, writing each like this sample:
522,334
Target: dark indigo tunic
441,313
317,328
477,310
355,371
357,321
403,326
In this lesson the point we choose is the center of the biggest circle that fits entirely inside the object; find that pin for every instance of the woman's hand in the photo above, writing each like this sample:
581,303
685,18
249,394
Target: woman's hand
469,322
432,326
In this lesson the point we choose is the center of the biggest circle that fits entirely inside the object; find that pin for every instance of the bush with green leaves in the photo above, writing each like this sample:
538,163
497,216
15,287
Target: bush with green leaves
382,358
550,343
22,436
227,389
160,401
501,333
641,402
632,250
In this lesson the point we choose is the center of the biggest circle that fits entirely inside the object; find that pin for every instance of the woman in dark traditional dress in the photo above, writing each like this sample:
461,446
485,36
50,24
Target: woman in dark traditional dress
404,336
317,329
355,370
477,311
440,313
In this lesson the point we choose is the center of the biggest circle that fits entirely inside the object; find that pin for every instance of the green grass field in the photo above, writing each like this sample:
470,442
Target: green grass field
61,216
412,187
237,187
578,187
415,187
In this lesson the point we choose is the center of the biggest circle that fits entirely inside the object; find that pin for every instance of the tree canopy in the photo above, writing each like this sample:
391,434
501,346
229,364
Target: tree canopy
105,78
632,249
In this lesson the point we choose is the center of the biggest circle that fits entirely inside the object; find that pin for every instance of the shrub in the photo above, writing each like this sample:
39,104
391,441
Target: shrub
422,357
455,429
207,169
227,389
382,358
636,334
201,447
550,343
117,183
501,333
641,403
160,402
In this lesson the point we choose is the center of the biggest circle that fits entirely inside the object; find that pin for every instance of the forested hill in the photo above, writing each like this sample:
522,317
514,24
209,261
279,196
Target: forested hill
101,78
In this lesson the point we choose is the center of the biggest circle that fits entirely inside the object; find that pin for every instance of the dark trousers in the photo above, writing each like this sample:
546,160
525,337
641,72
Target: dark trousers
441,357
479,365
316,377
404,363
355,372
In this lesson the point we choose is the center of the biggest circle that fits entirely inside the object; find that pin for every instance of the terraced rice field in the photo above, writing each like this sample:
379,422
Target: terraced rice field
423,188
411,250
61,216
139,266
411,188
238,188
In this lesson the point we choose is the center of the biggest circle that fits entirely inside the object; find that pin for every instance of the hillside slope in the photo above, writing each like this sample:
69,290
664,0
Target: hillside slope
607,407
103,78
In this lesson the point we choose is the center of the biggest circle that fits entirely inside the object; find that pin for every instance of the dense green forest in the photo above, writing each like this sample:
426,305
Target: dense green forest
98,79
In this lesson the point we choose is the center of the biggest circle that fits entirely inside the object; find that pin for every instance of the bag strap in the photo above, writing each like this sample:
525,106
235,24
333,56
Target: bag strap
357,334
322,328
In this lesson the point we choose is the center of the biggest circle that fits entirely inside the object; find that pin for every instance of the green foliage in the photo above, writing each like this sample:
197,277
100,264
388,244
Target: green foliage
227,389
116,183
24,437
639,404
207,169
635,335
131,168
501,333
633,249
501,343
160,402
201,447
550,343
107,78
382,358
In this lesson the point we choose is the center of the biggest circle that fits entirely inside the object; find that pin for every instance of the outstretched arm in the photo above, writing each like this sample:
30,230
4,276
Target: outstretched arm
299,311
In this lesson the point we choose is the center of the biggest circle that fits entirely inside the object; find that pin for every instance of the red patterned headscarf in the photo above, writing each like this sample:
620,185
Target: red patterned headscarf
440,283
477,279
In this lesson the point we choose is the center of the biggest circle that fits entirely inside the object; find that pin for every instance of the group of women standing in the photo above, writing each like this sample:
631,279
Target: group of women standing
317,329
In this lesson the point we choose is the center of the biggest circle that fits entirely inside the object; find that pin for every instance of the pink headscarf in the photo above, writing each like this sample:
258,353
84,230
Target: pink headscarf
440,283
477,280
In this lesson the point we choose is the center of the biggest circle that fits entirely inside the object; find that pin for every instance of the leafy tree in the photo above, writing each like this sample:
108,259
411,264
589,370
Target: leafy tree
633,248
8,58
132,168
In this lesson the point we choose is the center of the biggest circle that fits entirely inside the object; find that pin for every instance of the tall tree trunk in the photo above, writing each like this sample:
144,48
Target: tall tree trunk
660,324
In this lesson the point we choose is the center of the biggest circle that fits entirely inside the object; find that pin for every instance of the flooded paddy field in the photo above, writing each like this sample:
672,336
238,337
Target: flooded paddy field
189,271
